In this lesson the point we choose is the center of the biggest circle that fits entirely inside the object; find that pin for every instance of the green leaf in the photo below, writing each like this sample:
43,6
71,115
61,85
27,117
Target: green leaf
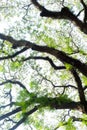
8,44
84,118
84,78
15,65
49,41
64,98
68,66
8,85
1,68
70,125
33,84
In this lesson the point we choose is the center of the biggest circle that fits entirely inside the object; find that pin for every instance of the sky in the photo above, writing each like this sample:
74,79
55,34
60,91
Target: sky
4,25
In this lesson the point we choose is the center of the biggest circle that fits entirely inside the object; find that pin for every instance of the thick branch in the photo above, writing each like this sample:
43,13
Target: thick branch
40,7
15,43
80,89
71,105
65,13
62,56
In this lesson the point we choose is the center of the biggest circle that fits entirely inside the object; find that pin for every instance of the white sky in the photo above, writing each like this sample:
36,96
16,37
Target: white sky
4,25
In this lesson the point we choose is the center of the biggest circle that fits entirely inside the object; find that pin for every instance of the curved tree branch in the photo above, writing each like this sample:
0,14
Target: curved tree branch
14,82
80,89
85,11
14,55
62,56
4,106
47,59
55,86
35,3
65,13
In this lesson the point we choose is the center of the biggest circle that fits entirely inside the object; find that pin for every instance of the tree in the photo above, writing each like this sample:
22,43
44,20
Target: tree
43,64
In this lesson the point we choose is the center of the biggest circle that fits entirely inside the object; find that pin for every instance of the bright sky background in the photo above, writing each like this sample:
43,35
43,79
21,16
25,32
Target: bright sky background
4,25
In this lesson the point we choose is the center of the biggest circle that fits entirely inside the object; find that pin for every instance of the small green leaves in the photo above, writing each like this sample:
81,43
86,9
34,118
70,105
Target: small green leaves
68,66
8,44
15,65
84,119
69,125
49,41
32,84
8,85
64,99
84,78
1,68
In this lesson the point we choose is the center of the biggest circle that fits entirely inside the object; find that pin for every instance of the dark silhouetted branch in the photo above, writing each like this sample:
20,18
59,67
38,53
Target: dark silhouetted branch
24,118
4,106
47,59
10,113
80,89
63,86
65,13
13,55
62,56
13,82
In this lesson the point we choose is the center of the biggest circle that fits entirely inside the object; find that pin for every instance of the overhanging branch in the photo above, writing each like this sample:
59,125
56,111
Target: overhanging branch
80,89
62,56
68,105
65,13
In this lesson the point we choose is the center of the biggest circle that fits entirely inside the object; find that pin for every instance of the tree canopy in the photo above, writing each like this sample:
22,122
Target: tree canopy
43,64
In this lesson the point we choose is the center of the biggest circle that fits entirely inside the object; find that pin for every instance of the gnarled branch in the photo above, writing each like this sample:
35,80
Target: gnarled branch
62,56
65,13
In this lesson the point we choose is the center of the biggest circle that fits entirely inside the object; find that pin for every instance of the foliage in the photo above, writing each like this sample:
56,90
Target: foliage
43,64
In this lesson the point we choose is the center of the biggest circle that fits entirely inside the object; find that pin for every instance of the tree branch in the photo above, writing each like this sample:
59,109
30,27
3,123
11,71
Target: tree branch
10,113
14,55
62,56
47,59
35,3
71,105
80,89
13,82
24,118
63,86
10,120
65,13
4,106
85,11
